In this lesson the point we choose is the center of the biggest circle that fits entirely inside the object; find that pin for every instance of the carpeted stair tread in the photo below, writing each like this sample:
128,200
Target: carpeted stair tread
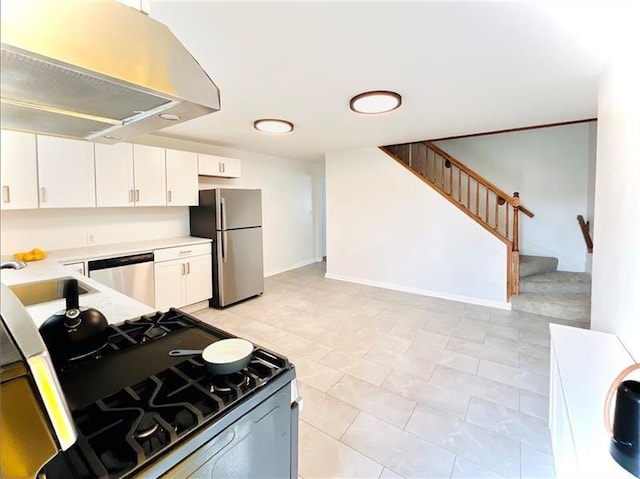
530,265
571,306
556,282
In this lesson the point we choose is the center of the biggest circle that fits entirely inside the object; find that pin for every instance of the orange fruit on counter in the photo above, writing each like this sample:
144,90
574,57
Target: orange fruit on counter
35,254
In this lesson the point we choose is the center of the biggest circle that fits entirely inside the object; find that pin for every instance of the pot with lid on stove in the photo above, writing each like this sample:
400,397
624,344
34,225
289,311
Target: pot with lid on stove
74,332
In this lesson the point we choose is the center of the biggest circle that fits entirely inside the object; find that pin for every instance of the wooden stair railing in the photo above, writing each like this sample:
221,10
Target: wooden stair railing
492,208
584,227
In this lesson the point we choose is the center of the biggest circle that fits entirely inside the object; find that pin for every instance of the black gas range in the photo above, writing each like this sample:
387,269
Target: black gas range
139,411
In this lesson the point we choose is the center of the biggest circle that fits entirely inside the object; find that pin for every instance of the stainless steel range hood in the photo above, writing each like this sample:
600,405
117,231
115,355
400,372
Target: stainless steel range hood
100,71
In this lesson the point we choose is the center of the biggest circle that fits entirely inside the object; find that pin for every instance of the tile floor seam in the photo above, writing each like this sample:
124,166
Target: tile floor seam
346,445
323,304
360,411
404,427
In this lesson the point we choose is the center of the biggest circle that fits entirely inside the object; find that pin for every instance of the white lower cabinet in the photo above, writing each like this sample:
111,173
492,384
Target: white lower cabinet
76,267
182,276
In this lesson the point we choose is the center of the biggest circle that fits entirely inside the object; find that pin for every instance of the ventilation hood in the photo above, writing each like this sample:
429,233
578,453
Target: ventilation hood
98,71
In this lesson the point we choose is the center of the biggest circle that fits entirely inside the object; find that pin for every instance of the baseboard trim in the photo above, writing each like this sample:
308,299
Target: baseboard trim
423,292
293,266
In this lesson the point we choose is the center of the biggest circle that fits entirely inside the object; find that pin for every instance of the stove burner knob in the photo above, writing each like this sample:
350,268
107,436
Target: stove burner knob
73,318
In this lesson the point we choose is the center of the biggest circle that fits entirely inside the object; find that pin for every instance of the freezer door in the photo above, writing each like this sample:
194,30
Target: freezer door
239,208
239,265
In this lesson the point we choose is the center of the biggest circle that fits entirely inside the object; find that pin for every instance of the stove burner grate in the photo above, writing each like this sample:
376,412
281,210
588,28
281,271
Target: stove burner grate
229,383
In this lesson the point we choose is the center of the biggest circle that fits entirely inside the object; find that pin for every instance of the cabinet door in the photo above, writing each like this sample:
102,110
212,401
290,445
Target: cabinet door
169,284
149,175
114,174
76,267
230,167
182,178
198,285
19,172
66,173
211,165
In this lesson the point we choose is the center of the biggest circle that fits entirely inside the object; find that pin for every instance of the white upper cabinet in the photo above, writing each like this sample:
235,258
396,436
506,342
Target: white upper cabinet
114,175
19,171
211,165
149,176
66,173
182,178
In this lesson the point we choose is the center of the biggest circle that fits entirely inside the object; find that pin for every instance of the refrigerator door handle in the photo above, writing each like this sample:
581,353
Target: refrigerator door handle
220,273
224,246
223,213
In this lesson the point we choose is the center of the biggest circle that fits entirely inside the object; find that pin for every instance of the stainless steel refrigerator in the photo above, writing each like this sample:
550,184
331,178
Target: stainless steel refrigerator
232,218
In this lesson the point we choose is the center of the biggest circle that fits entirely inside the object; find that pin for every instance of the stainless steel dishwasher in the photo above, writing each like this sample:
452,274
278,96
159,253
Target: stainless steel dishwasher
131,275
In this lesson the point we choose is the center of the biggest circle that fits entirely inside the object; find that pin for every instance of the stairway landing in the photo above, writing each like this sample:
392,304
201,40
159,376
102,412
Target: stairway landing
548,292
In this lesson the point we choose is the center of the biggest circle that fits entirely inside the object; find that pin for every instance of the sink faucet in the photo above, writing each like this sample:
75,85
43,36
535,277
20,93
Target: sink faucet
13,264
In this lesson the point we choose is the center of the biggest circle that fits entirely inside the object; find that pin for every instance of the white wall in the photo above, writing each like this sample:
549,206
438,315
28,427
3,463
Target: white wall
591,188
290,231
387,228
550,169
615,303
51,229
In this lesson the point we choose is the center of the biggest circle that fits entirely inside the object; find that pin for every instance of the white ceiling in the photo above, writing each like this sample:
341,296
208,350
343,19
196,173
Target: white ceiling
460,67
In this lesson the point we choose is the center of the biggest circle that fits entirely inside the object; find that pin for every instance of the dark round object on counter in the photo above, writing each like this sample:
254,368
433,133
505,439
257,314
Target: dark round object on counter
74,332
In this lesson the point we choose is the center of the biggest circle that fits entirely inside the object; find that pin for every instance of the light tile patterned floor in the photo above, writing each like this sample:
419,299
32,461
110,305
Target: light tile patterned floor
400,385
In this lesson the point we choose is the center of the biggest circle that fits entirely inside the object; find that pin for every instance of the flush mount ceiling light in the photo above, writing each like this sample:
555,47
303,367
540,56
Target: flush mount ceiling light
273,125
372,102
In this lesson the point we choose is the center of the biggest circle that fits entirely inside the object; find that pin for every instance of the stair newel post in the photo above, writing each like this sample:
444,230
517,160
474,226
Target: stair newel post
515,253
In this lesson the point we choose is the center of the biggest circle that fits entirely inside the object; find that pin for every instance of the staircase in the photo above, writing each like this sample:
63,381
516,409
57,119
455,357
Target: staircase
495,210
534,283
548,292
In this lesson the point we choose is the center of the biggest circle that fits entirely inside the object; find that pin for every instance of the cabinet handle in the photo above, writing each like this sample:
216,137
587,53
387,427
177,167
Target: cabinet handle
169,196
43,196
223,167
185,252
188,268
137,195
183,269
219,167
6,194
130,196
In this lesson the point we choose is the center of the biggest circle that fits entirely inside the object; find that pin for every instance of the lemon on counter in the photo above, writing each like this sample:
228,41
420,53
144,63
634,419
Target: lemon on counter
35,254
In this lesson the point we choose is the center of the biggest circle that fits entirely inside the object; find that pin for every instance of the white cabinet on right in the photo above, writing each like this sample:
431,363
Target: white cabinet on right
182,178
212,165
114,175
149,175
183,275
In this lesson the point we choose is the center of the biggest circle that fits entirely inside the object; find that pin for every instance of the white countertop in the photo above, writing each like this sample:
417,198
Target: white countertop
114,305
110,250
588,362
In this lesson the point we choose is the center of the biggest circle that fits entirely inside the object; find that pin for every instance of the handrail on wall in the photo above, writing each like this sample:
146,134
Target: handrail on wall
584,227
480,199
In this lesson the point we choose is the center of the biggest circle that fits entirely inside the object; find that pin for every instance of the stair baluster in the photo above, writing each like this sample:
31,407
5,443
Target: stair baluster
429,162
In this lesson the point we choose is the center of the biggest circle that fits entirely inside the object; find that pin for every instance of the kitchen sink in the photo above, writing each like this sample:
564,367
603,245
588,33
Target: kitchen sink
45,291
